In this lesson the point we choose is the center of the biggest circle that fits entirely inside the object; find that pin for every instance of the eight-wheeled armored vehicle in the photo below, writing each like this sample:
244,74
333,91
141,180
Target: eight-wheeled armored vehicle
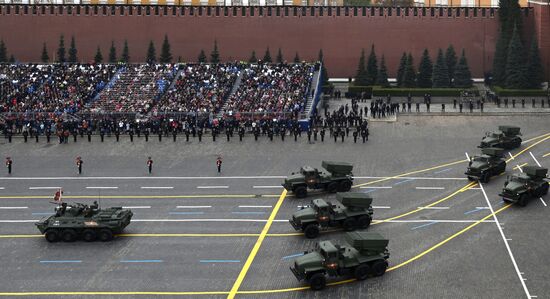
519,188
364,255
353,210
506,138
338,179
489,164
89,222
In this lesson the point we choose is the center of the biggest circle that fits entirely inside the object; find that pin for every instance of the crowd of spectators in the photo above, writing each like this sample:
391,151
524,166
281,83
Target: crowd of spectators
200,88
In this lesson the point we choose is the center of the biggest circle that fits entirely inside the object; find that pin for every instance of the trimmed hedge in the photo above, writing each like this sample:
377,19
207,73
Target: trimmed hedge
503,92
418,92
355,90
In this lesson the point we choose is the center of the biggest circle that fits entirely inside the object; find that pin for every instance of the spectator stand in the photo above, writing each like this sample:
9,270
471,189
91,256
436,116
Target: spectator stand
312,99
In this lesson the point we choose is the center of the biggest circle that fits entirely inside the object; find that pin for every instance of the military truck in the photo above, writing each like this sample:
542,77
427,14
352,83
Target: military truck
338,179
364,255
489,164
507,138
89,222
531,183
353,210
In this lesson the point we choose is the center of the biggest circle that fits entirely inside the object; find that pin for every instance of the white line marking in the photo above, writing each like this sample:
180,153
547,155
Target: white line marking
2,188
212,187
473,189
157,187
543,202
101,187
262,220
530,153
511,156
430,188
467,157
375,187
13,208
137,207
193,207
43,188
434,208
519,168
255,206
267,187
508,239
381,207
505,241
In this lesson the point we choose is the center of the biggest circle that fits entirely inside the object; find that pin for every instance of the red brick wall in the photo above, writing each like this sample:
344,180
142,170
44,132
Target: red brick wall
340,37
542,31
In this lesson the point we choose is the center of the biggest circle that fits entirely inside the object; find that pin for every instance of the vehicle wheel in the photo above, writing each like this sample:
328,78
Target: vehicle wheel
544,190
105,235
332,187
311,231
484,178
89,235
522,202
300,192
470,178
317,281
363,221
345,186
349,224
379,268
52,236
362,272
68,235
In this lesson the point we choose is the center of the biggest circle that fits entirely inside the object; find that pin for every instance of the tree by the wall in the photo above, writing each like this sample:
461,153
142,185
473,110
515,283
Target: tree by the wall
112,53
499,60
535,70
215,55
372,67
409,75
509,18
125,53
463,77
72,51
98,58
324,73
382,78
45,58
61,50
451,60
515,64
267,56
296,58
151,53
3,52
253,58
279,58
165,54
401,69
361,77
425,70
202,57
12,59
440,72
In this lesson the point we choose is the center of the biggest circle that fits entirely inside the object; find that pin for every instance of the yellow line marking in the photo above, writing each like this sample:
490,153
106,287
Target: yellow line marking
527,148
546,155
469,185
256,247
448,239
537,137
409,173
520,166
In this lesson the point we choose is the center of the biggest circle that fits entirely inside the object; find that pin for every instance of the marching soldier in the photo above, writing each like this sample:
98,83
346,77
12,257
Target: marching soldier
219,163
146,134
48,135
36,136
214,134
355,136
322,133
25,135
270,134
10,134
283,134
342,134
150,164
296,132
309,135
131,133
256,134
89,133
227,133
160,135
174,134
9,162
199,133
102,134
187,135
241,133
74,135
315,131
79,164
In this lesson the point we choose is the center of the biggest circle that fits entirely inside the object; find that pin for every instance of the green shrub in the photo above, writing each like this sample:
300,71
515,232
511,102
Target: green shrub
503,92
416,92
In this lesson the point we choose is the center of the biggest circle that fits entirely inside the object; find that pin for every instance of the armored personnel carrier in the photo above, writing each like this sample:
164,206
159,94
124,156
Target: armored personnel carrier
338,179
353,210
519,188
506,138
364,255
74,221
489,164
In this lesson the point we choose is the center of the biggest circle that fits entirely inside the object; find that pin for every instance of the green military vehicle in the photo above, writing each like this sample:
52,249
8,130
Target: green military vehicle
507,138
353,210
364,255
338,179
519,188
489,164
75,221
